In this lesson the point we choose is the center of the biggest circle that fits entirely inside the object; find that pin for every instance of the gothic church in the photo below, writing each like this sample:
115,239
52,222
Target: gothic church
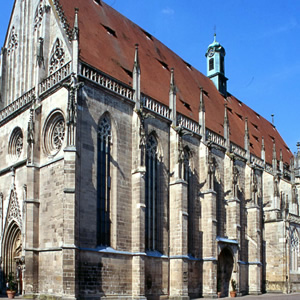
125,172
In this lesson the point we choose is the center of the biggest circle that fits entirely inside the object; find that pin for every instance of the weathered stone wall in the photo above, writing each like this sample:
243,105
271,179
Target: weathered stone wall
50,273
101,274
156,277
195,280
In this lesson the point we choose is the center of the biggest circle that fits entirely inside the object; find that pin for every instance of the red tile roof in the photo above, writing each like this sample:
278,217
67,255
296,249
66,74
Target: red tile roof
113,53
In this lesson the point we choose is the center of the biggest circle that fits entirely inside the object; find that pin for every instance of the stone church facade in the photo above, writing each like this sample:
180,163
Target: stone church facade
125,172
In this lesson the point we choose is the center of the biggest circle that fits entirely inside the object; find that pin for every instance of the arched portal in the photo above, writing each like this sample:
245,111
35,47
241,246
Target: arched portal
225,266
12,254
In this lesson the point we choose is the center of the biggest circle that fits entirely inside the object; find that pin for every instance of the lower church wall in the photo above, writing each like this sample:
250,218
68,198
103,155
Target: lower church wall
195,279
50,273
243,280
294,282
104,275
156,277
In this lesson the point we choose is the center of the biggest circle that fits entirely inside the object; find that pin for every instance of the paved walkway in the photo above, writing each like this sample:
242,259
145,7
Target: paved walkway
294,296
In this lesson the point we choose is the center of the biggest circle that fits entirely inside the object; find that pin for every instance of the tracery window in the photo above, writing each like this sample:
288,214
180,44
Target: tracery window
54,133
151,194
15,145
39,13
13,41
188,179
103,182
57,57
294,250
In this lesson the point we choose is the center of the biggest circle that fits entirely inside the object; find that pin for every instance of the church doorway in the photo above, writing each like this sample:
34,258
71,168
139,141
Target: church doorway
12,255
225,266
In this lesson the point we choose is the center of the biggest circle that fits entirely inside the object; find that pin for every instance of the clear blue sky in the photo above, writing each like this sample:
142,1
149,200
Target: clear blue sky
261,39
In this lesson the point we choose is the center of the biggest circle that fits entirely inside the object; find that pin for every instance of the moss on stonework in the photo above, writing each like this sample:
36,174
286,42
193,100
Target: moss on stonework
49,297
41,297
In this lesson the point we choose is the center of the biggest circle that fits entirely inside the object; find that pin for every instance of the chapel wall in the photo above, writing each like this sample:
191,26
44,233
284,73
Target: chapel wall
101,274
50,273
276,264
94,105
195,279
156,276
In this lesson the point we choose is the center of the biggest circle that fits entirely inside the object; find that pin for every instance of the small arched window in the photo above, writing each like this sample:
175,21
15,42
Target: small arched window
151,194
211,64
103,182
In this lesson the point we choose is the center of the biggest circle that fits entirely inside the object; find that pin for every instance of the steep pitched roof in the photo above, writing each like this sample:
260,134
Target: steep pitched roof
107,41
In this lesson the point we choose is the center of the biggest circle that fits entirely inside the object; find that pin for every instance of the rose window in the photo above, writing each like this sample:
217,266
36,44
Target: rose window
54,133
15,145
58,134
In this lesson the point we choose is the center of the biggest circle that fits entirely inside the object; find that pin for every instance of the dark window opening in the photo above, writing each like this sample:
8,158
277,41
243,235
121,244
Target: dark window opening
164,65
185,104
129,73
110,31
103,183
255,126
148,35
205,92
222,65
240,116
211,64
189,66
151,195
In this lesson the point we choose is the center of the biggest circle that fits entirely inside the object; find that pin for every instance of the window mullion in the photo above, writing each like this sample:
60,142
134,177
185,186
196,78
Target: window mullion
154,204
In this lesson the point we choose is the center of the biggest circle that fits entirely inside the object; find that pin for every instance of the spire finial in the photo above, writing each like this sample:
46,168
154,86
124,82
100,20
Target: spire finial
225,114
274,149
201,107
76,28
246,127
136,57
272,115
172,82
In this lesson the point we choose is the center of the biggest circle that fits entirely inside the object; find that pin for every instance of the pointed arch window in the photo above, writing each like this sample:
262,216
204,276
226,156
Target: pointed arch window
151,194
103,182
57,57
294,250
187,176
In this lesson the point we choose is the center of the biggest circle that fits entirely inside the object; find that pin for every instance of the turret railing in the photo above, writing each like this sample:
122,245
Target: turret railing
55,78
257,161
188,124
106,81
18,104
155,106
215,138
234,148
